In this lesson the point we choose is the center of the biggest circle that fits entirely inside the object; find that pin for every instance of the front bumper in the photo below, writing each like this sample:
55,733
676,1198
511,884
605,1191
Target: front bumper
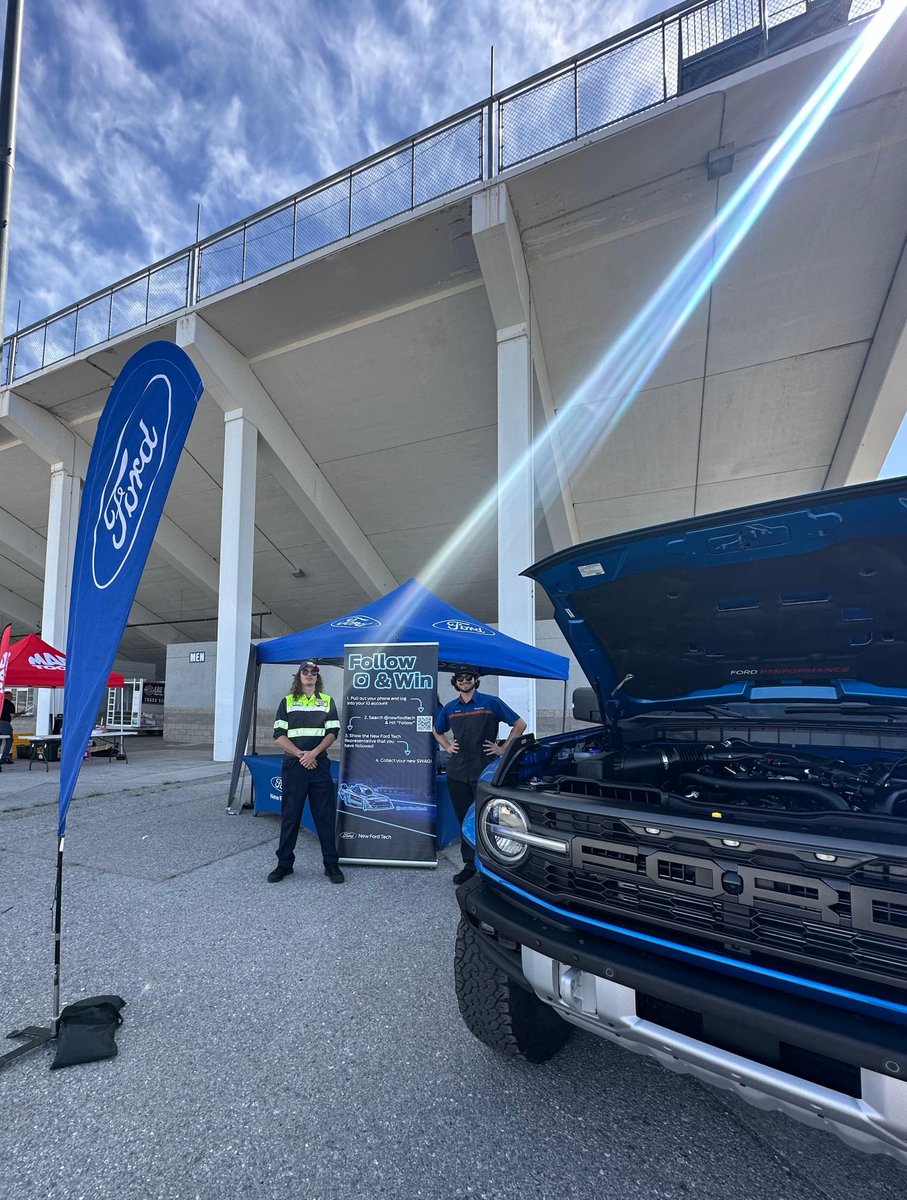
815,1062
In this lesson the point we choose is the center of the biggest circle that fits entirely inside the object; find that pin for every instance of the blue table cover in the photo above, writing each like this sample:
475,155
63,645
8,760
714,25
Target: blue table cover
265,769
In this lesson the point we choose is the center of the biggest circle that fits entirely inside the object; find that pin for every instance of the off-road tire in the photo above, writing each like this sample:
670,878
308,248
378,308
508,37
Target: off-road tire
499,1012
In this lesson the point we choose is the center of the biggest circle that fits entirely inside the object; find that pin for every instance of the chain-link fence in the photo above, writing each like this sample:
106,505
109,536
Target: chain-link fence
677,52
397,181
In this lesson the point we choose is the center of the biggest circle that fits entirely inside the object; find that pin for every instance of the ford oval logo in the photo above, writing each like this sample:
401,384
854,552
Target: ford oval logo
456,625
277,783
359,621
136,464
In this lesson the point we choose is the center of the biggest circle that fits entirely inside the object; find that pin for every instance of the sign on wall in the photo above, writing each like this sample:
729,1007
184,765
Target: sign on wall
386,796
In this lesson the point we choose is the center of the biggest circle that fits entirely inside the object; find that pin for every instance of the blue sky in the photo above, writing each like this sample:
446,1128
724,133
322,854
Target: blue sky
133,112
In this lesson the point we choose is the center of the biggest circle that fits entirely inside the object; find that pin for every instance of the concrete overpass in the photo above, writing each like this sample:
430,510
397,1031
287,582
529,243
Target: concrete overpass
361,395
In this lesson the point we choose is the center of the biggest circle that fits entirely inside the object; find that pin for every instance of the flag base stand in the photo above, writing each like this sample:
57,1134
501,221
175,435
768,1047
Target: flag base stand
37,1036
40,1035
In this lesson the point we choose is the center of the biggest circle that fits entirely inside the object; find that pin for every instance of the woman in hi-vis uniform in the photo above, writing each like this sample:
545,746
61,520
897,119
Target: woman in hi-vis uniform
305,726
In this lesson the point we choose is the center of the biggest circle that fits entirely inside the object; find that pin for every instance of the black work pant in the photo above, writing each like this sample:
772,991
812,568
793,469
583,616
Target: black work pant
462,795
299,783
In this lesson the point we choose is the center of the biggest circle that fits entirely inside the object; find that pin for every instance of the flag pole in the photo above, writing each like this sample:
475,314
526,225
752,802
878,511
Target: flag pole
9,95
58,924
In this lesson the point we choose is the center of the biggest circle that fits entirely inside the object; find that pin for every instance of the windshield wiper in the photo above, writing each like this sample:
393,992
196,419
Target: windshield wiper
851,708
771,712
685,714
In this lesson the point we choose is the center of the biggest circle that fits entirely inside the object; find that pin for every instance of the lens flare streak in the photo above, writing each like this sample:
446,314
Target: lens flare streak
588,416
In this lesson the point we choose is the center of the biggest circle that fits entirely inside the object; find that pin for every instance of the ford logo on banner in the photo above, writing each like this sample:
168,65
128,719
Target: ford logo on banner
136,462
277,783
456,625
357,622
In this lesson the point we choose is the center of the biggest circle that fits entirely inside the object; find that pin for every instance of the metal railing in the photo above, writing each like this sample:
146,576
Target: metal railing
667,56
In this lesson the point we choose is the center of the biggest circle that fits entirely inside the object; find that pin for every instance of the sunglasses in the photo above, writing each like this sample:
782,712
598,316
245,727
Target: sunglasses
465,677
308,670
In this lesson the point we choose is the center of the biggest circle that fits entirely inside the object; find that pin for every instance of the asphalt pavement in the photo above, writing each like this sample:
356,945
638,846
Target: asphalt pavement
303,1040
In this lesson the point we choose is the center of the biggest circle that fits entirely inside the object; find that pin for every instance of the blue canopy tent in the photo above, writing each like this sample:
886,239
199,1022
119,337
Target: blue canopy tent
410,613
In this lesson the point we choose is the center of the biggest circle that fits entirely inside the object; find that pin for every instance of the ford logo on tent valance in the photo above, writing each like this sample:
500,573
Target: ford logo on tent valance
455,625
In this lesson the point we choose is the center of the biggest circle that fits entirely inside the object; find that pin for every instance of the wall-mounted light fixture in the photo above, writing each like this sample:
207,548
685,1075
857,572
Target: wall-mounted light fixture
721,160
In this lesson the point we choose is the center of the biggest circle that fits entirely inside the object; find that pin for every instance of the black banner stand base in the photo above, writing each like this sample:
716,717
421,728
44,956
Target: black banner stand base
37,1035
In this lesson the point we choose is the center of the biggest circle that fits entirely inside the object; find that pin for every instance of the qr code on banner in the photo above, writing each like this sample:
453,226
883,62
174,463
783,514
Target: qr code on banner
423,724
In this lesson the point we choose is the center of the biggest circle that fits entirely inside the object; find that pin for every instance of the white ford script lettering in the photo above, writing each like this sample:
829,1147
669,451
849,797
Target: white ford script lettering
135,463
125,499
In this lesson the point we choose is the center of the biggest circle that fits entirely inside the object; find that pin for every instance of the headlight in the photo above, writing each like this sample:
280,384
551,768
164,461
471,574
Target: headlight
498,818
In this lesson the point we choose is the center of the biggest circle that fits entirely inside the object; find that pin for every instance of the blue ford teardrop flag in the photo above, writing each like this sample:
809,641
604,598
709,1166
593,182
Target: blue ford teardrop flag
138,444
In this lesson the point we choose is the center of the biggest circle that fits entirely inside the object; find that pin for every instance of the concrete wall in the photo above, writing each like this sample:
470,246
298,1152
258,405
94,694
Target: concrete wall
189,709
189,696
189,693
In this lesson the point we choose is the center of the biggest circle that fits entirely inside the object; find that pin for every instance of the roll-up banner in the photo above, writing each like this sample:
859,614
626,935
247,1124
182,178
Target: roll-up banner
386,795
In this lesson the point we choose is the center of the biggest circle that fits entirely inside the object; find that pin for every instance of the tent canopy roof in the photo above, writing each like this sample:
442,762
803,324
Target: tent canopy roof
35,663
411,613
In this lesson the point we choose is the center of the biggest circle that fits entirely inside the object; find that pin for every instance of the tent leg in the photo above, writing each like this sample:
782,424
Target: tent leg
246,719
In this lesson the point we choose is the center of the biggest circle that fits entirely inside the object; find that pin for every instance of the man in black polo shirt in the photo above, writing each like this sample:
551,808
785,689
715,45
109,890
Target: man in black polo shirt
472,720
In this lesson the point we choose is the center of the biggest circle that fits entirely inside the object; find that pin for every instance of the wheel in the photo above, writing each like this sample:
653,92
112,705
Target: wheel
500,1013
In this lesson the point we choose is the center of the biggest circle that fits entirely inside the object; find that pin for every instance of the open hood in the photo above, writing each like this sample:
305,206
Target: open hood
804,593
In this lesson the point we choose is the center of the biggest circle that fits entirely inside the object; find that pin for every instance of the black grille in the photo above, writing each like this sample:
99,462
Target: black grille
889,914
767,930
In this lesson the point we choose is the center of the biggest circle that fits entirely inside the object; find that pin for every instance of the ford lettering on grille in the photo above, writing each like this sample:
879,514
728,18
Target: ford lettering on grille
873,910
136,463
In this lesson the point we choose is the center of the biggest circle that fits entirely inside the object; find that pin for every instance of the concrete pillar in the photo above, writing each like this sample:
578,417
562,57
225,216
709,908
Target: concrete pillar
62,523
516,507
237,534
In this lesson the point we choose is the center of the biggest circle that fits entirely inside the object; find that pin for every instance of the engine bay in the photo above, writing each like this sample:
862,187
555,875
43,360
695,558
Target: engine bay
736,775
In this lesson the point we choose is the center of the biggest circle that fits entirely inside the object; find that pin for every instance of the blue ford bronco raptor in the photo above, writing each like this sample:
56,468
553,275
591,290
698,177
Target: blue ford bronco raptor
714,873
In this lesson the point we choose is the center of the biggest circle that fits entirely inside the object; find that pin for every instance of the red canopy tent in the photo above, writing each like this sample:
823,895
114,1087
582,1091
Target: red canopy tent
33,663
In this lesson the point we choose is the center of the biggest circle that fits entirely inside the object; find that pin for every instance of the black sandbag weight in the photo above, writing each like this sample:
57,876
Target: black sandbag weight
86,1031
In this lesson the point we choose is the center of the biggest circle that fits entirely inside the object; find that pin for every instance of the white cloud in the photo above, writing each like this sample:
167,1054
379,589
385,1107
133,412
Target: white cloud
131,116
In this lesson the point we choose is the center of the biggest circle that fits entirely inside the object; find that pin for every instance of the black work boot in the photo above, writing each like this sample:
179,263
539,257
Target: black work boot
279,873
334,874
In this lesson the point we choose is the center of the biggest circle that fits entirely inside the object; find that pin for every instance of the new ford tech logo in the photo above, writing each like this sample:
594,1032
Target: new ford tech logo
136,464
456,625
359,621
